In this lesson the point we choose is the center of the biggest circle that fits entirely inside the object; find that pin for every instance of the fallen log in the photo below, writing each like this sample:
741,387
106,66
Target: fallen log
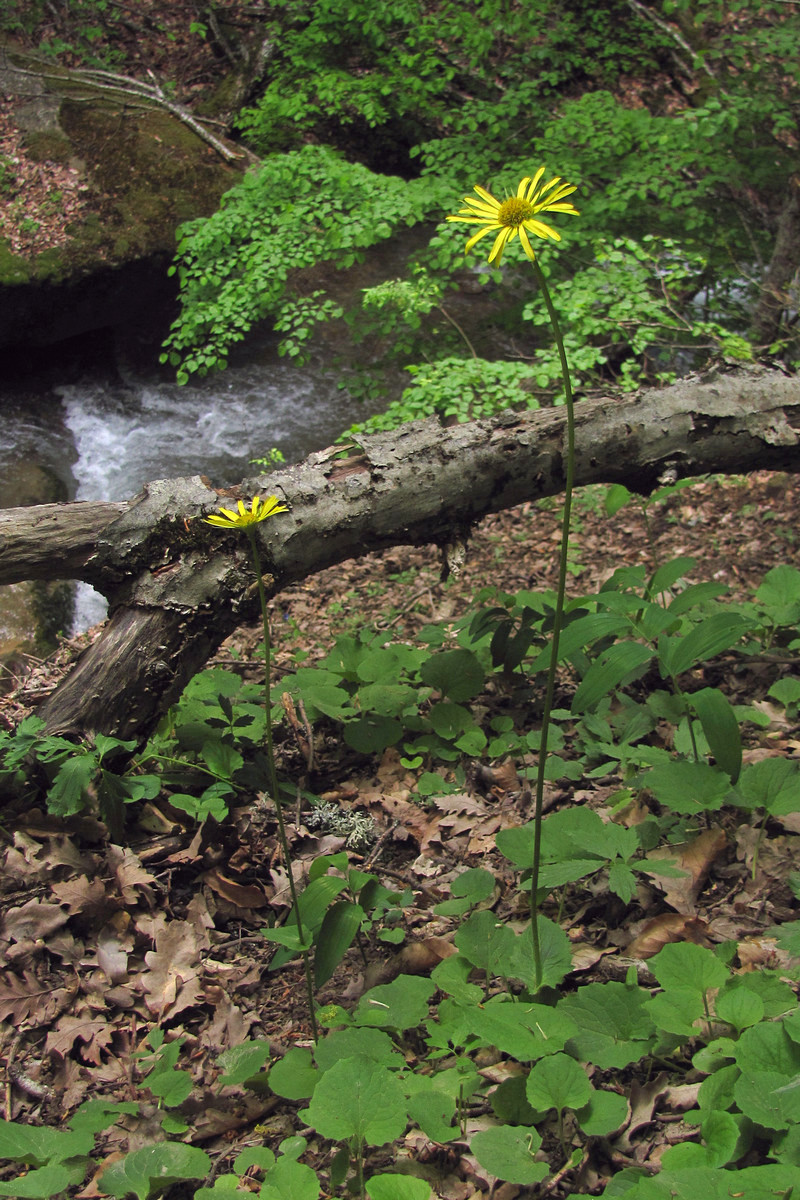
177,587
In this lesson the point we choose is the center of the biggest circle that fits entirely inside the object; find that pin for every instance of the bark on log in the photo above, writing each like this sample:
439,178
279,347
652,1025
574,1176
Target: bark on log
177,587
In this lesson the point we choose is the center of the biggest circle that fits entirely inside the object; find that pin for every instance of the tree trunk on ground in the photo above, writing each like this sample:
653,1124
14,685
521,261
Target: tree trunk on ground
783,267
177,587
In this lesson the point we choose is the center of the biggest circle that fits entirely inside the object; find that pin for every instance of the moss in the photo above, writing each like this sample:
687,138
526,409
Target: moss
48,145
52,266
13,268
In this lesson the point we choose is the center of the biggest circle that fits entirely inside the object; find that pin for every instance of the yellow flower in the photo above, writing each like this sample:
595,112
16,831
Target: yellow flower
260,509
517,214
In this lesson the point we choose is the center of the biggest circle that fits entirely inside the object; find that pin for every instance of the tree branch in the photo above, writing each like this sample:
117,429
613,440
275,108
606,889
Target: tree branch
177,588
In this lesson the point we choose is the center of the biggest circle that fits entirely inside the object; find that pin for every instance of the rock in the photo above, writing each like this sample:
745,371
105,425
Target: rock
135,172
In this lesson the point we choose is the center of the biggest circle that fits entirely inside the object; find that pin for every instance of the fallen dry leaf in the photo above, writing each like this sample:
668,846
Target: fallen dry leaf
32,920
669,927
695,858
94,1032
243,895
171,984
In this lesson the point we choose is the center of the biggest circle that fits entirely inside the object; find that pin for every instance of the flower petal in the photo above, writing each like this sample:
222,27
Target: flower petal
532,185
476,237
488,197
526,243
501,241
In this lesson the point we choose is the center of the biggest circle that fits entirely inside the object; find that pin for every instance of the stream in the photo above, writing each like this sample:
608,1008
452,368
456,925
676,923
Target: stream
102,438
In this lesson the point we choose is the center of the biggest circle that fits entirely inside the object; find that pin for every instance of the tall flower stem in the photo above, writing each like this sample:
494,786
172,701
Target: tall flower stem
558,621
273,778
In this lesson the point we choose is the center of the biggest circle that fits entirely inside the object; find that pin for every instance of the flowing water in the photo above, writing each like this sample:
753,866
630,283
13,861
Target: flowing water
101,438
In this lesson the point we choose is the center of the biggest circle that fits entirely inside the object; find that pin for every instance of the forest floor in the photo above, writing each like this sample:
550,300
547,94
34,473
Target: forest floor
104,942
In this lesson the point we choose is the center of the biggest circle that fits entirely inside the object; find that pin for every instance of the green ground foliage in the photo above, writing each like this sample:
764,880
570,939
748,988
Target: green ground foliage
410,1051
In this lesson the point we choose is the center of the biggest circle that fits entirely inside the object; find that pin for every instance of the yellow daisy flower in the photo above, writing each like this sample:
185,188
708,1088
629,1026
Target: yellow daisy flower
516,215
259,510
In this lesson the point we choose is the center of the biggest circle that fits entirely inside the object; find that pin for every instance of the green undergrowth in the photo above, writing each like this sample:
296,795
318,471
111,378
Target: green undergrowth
549,1071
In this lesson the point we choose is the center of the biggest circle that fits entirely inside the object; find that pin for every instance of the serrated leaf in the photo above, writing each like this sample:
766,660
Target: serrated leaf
240,1063
507,1151
401,1004
614,1028
294,1077
687,966
358,1099
153,1168
397,1187
558,1082
686,786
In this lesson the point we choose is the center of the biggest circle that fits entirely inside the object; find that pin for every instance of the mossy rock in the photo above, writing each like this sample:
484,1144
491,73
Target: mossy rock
48,145
146,173
14,269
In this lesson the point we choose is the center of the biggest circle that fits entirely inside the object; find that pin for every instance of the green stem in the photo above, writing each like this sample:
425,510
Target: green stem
558,620
273,780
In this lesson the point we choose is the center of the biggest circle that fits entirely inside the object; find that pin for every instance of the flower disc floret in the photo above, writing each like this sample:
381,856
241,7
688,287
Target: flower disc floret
259,510
516,216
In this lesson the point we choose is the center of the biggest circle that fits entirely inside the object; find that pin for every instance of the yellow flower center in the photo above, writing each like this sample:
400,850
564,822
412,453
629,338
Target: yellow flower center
514,211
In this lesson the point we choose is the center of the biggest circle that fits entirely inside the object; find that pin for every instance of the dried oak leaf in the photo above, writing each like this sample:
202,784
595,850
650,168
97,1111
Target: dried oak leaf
94,1032
669,927
241,894
130,875
171,983
26,998
33,920
114,944
695,858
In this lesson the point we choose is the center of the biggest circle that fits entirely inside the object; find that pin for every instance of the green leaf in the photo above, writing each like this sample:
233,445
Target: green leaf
221,758
713,635
372,733
772,784
507,1151
373,1044
608,671
458,674
617,496
668,574
44,1182
524,1030
614,1028
397,1187
153,1168
242,1062
68,792
603,1115
401,1004
293,1076
721,729
358,1099
290,1180
336,935
40,1145
739,1007
254,1156
558,1082
686,786
683,965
